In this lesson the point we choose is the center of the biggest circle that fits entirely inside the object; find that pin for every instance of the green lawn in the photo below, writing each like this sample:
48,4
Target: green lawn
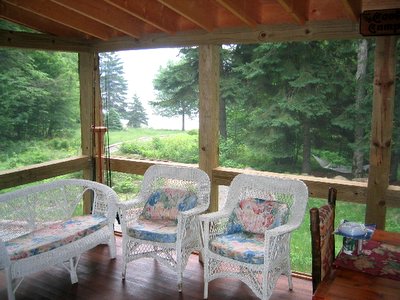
132,134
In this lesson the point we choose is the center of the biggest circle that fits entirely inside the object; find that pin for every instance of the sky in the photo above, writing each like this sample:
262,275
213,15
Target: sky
140,68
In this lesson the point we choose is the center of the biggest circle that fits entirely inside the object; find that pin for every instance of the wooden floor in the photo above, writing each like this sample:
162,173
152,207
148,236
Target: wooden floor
100,278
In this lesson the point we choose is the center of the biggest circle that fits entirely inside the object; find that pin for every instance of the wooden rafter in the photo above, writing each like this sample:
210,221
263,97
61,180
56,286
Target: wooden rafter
238,8
149,11
27,19
353,8
297,9
106,14
64,17
197,12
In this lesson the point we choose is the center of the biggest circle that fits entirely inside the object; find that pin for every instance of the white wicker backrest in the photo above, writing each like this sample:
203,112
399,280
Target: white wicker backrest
176,177
33,207
290,191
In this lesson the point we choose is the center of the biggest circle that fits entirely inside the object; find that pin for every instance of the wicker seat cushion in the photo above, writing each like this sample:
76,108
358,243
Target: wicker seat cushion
163,231
257,215
53,236
158,220
165,203
244,237
243,246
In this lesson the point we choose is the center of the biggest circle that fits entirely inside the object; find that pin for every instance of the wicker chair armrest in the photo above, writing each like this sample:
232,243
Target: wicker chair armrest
214,216
280,230
194,211
213,224
130,210
277,241
126,205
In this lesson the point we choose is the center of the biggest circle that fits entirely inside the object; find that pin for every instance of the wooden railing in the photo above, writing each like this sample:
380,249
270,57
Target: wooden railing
350,191
32,173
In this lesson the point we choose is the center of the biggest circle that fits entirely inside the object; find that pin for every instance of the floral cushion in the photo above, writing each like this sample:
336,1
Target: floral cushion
257,215
165,203
243,246
377,258
163,231
326,229
53,236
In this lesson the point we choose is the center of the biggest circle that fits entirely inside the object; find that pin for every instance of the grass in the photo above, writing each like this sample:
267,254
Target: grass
132,134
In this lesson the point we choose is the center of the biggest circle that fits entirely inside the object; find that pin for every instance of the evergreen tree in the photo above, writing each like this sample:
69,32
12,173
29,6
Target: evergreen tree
136,114
39,94
286,100
113,83
177,87
113,120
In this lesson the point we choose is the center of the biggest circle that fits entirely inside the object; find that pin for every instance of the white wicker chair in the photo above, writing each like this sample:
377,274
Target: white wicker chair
259,214
162,222
38,230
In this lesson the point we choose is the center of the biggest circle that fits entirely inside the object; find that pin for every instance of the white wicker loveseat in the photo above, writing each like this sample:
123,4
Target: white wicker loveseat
39,227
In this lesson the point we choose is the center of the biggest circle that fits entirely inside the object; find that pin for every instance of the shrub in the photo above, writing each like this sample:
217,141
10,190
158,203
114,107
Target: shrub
193,132
131,148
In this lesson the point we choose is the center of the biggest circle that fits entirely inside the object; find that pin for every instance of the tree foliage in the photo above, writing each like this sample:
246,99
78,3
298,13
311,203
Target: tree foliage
113,84
285,102
177,87
136,114
39,94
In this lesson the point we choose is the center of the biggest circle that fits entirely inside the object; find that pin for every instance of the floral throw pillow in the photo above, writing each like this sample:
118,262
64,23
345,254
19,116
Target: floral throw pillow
257,215
165,203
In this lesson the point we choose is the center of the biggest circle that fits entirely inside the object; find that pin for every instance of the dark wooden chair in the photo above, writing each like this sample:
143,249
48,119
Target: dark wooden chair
322,224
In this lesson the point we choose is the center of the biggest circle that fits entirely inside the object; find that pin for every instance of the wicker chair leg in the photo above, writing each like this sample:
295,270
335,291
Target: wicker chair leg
290,282
73,263
112,247
205,290
10,290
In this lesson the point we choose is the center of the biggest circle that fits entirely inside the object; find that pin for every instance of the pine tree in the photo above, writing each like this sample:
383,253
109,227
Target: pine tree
177,87
113,83
114,120
136,114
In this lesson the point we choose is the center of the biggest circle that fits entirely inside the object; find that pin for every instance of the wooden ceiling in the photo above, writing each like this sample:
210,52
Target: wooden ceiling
158,23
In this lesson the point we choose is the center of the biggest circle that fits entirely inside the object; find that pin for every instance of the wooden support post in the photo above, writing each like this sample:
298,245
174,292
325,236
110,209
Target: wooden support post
90,111
99,133
86,66
209,64
381,130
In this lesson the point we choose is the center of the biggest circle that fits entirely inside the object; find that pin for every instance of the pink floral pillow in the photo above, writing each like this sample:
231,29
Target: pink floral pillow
165,203
257,215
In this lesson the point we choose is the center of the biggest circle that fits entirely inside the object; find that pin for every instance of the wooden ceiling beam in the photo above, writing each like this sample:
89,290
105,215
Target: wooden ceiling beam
297,9
238,8
312,31
197,12
353,8
379,4
62,16
29,20
149,11
41,41
106,14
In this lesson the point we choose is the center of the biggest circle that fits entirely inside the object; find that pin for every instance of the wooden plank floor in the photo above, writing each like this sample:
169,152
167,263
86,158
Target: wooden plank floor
100,278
